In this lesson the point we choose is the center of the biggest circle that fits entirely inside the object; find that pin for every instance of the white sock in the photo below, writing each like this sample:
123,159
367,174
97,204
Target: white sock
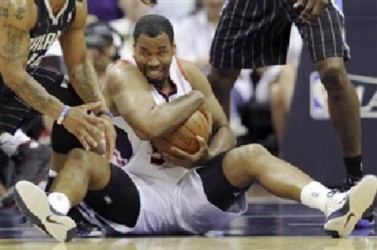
314,195
59,202
9,143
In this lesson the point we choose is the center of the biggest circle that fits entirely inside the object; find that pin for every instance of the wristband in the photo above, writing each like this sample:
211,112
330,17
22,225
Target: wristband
105,112
63,114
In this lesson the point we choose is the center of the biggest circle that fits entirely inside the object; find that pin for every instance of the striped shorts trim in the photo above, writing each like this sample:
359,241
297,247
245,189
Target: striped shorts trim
255,33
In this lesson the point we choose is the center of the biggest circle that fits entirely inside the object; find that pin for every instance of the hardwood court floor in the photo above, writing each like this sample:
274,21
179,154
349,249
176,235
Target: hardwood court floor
270,223
197,243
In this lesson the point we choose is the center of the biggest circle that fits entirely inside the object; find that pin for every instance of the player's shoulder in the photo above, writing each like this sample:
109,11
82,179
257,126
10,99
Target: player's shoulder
191,71
122,66
18,13
123,73
189,68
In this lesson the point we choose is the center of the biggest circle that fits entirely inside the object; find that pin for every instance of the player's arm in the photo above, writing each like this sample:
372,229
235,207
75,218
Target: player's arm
222,137
16,20
80,69
131,98
82,73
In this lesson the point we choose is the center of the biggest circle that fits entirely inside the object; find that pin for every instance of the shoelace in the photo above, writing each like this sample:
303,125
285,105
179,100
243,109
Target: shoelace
337,200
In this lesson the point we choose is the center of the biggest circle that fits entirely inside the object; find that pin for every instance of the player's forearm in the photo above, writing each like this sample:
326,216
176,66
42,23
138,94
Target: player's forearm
167,117
86,85
31,92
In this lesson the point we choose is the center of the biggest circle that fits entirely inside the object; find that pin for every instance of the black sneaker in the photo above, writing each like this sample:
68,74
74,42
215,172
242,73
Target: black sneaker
85,229
367,220
33,204
32,162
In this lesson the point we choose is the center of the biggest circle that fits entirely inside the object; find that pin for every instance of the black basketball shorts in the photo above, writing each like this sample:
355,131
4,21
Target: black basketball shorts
255,33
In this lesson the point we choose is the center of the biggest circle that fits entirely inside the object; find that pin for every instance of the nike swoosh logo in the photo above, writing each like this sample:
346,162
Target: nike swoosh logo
348,218
49,219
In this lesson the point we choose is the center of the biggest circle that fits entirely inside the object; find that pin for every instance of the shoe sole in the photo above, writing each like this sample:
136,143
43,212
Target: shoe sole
362,200
33,203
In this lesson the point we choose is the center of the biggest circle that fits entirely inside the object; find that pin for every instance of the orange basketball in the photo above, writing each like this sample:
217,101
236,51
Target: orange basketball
184,137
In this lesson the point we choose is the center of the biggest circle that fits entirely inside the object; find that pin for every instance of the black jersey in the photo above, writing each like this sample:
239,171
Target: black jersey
49,27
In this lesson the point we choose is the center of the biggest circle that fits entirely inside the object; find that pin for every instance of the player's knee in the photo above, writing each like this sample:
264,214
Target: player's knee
249,158
78,155
333,76
222,79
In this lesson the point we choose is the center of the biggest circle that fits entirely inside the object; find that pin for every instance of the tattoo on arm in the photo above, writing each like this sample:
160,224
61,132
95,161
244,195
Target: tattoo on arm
4,8
33,93
85,81
12,43
20,13
36,96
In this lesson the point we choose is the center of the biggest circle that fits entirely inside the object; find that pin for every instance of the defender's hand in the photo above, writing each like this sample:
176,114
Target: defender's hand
312,9
84,125
110,135
184,159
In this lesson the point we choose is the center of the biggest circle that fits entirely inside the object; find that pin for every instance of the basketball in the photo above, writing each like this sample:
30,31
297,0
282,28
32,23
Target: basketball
184,137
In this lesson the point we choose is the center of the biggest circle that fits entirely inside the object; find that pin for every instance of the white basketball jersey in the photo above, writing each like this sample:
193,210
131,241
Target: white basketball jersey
171,199
146,161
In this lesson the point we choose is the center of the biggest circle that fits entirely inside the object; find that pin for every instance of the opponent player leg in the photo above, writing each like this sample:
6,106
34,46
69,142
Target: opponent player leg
222,82
253,163
344,110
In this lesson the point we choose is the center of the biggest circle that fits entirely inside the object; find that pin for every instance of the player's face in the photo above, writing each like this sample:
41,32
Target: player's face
153,57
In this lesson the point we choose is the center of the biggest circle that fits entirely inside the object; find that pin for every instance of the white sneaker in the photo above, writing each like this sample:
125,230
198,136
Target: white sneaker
345,209
33,203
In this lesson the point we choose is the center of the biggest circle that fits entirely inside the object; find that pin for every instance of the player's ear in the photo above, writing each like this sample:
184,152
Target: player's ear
174,48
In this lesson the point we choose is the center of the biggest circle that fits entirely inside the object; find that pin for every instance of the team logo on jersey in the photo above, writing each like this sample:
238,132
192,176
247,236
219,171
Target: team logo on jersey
365,88
43,42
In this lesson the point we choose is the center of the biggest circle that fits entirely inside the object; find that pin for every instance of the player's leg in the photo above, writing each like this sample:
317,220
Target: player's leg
250,34
328,49
222,82
31,158
253,163
344,108
83,170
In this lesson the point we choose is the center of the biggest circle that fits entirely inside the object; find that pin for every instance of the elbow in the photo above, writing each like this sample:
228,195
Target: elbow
12,77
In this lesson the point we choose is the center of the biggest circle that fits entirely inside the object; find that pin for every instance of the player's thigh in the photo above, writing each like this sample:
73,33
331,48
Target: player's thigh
250,34
324,37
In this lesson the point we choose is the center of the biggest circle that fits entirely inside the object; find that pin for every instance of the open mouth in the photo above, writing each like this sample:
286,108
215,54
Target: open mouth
154,73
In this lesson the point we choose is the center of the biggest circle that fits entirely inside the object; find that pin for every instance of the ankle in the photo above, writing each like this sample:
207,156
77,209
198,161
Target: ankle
59,202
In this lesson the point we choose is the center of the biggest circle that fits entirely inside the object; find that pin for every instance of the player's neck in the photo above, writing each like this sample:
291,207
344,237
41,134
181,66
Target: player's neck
166,88
57,5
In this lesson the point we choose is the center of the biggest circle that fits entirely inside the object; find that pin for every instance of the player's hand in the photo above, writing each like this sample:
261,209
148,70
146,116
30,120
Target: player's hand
85,126
110,135
149,2
184,159
311,9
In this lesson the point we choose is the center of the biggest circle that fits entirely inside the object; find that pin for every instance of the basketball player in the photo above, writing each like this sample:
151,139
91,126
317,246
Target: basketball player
255,33
144,192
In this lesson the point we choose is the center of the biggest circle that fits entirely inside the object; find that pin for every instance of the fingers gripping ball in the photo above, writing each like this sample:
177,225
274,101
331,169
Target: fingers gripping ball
184,137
